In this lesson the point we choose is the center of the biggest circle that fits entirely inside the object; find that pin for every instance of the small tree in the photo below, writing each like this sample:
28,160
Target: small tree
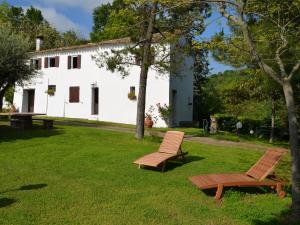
14,61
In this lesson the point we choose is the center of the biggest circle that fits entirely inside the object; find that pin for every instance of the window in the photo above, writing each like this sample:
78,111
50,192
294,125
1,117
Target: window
51,62
51,90
36,63
131,94
74,62
74,95
132,90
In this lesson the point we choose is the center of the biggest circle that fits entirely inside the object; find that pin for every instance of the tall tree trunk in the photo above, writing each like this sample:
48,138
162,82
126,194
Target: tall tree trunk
144,74
294,145
2,94
273,111
1,101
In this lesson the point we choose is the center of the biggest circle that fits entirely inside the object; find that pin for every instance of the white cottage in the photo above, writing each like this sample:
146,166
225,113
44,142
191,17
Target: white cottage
70,84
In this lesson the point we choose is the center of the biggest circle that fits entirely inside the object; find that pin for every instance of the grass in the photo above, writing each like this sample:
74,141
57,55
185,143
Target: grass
222,135
77,175
227,136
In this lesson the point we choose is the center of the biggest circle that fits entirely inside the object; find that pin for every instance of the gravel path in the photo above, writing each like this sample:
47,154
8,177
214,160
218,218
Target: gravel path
202,140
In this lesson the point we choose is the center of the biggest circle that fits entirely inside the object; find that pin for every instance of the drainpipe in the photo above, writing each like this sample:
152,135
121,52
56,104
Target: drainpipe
47,99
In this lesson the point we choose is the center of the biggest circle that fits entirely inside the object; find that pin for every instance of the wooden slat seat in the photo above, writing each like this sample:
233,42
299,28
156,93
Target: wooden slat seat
170,148
154,159
256,176
213,180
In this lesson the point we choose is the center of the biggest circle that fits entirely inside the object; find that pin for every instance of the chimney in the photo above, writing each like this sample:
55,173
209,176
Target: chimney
39,43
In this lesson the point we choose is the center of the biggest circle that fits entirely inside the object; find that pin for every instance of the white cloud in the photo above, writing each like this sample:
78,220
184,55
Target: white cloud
87,5
61,22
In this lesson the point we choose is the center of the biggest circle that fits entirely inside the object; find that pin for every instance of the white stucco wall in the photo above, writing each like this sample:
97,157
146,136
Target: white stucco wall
114,105
182,82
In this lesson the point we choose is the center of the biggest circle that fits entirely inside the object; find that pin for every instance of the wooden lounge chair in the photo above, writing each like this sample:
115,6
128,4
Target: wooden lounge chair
169,149
258,175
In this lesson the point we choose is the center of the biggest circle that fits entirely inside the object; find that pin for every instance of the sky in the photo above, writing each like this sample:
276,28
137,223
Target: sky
77,15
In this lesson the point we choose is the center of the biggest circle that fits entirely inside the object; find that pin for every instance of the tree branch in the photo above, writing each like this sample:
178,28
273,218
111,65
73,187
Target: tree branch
249,40
294,70
279,50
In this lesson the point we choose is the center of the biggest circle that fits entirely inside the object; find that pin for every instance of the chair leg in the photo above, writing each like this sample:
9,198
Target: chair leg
279,190
163,166
219,192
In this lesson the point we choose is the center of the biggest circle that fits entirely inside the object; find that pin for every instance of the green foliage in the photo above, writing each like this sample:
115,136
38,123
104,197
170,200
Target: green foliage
164,112
9,95
70,38
244,95
32,14
32,24
14,58
111,21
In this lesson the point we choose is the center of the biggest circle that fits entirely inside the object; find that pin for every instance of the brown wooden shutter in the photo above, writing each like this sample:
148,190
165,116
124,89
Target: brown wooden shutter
39,63
69,62
79,61
56,61
46,62
74,94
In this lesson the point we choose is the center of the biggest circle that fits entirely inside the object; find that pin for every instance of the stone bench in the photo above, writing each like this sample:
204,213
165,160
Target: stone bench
47,123
20,124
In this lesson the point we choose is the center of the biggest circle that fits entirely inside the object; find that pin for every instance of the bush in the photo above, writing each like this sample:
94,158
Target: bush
228,123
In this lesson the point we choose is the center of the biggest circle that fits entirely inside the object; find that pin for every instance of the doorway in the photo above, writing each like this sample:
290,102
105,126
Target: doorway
31,94
95,101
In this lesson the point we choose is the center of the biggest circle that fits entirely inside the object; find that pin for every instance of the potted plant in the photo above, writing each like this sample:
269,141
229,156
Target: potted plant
150,119
132,96
50,92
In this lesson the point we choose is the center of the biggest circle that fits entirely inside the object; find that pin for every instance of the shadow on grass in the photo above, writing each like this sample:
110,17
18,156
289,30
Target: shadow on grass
187,159
9,134
285,218
4,202
29,187
240,191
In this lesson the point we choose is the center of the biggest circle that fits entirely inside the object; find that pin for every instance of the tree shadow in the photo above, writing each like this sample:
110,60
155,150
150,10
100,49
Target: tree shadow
29,187
4,202
284,218
9,134
32,187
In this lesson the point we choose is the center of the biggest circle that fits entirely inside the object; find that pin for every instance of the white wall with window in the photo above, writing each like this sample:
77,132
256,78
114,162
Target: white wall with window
76,79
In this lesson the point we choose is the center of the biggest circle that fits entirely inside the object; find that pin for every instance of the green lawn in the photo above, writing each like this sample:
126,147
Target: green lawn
85,176
221,135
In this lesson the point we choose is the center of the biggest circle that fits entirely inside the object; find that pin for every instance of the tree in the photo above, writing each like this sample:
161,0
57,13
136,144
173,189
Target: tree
71,38
162,18
279,39
108,16
14,58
